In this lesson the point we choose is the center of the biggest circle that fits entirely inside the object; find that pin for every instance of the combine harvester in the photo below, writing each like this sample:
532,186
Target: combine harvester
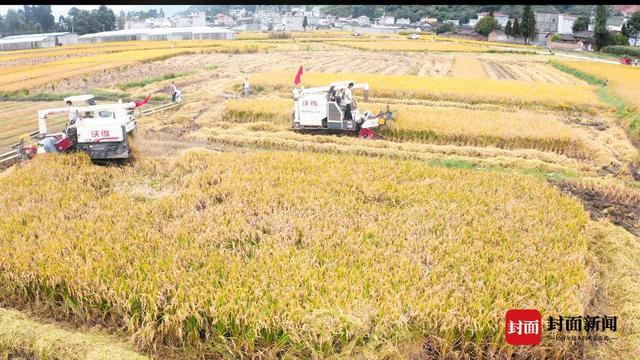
315,111
102,131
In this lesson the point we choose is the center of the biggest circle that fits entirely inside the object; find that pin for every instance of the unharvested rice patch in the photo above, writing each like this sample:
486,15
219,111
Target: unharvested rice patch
387,263
523,94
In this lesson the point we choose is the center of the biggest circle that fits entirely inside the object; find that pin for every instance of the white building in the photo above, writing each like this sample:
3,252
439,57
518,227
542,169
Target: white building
37,41
501,18
147,23
565,23
237,13
363,20
298,10
316,12
403,21
293,22
174,33
429,20
195,19
387,20
223,20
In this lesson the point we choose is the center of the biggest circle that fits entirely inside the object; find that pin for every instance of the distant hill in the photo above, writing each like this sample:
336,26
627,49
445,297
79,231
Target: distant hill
627,9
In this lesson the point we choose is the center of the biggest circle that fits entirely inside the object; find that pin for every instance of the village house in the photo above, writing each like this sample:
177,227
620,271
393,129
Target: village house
565,42
501,18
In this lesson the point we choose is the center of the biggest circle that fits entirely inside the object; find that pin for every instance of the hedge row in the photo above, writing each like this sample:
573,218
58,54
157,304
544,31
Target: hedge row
622,50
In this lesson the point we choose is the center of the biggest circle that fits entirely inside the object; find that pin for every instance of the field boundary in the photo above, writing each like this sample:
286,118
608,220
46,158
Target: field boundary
21,335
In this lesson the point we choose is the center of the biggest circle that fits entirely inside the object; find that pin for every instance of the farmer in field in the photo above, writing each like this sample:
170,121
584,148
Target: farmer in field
245,87
174,91
348,101
73,115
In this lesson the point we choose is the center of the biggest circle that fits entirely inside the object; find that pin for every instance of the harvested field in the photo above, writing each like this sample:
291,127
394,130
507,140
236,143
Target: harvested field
526,71
20,118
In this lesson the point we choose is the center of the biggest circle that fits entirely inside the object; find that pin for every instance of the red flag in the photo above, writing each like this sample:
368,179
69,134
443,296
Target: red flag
298,76
146,100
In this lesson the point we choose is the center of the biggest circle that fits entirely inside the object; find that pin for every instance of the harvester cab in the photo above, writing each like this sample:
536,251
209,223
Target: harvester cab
318,109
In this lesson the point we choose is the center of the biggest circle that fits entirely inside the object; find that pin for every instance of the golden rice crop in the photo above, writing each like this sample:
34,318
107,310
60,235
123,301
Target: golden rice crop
558,96
273,109
485,127
625,80
442,125
291,254
264,135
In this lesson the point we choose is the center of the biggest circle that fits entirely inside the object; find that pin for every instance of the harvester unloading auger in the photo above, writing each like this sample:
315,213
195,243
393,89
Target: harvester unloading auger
316,110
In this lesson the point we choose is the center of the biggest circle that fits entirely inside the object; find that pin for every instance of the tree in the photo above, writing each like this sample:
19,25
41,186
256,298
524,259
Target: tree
581,24
528,26
105,18
305,23
600,33
633,27
515,29
620,39
507,28
121,20
486,25
14,22
62,24
38,14
447,27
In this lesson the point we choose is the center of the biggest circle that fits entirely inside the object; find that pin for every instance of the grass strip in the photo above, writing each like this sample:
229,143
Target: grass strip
45,96
627,114
591,79
142,83
23,336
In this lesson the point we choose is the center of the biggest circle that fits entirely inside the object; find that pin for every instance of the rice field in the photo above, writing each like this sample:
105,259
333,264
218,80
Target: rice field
373,272
625,80
470,90
25,77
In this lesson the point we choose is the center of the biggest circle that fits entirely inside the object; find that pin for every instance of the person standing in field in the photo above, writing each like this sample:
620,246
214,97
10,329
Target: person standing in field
347,97
245,87
174,91
73,115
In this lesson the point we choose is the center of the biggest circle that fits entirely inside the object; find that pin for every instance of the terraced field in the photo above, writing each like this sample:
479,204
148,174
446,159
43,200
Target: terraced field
503,182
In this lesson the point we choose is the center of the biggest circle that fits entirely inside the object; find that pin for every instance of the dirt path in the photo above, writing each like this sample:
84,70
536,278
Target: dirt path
601,205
